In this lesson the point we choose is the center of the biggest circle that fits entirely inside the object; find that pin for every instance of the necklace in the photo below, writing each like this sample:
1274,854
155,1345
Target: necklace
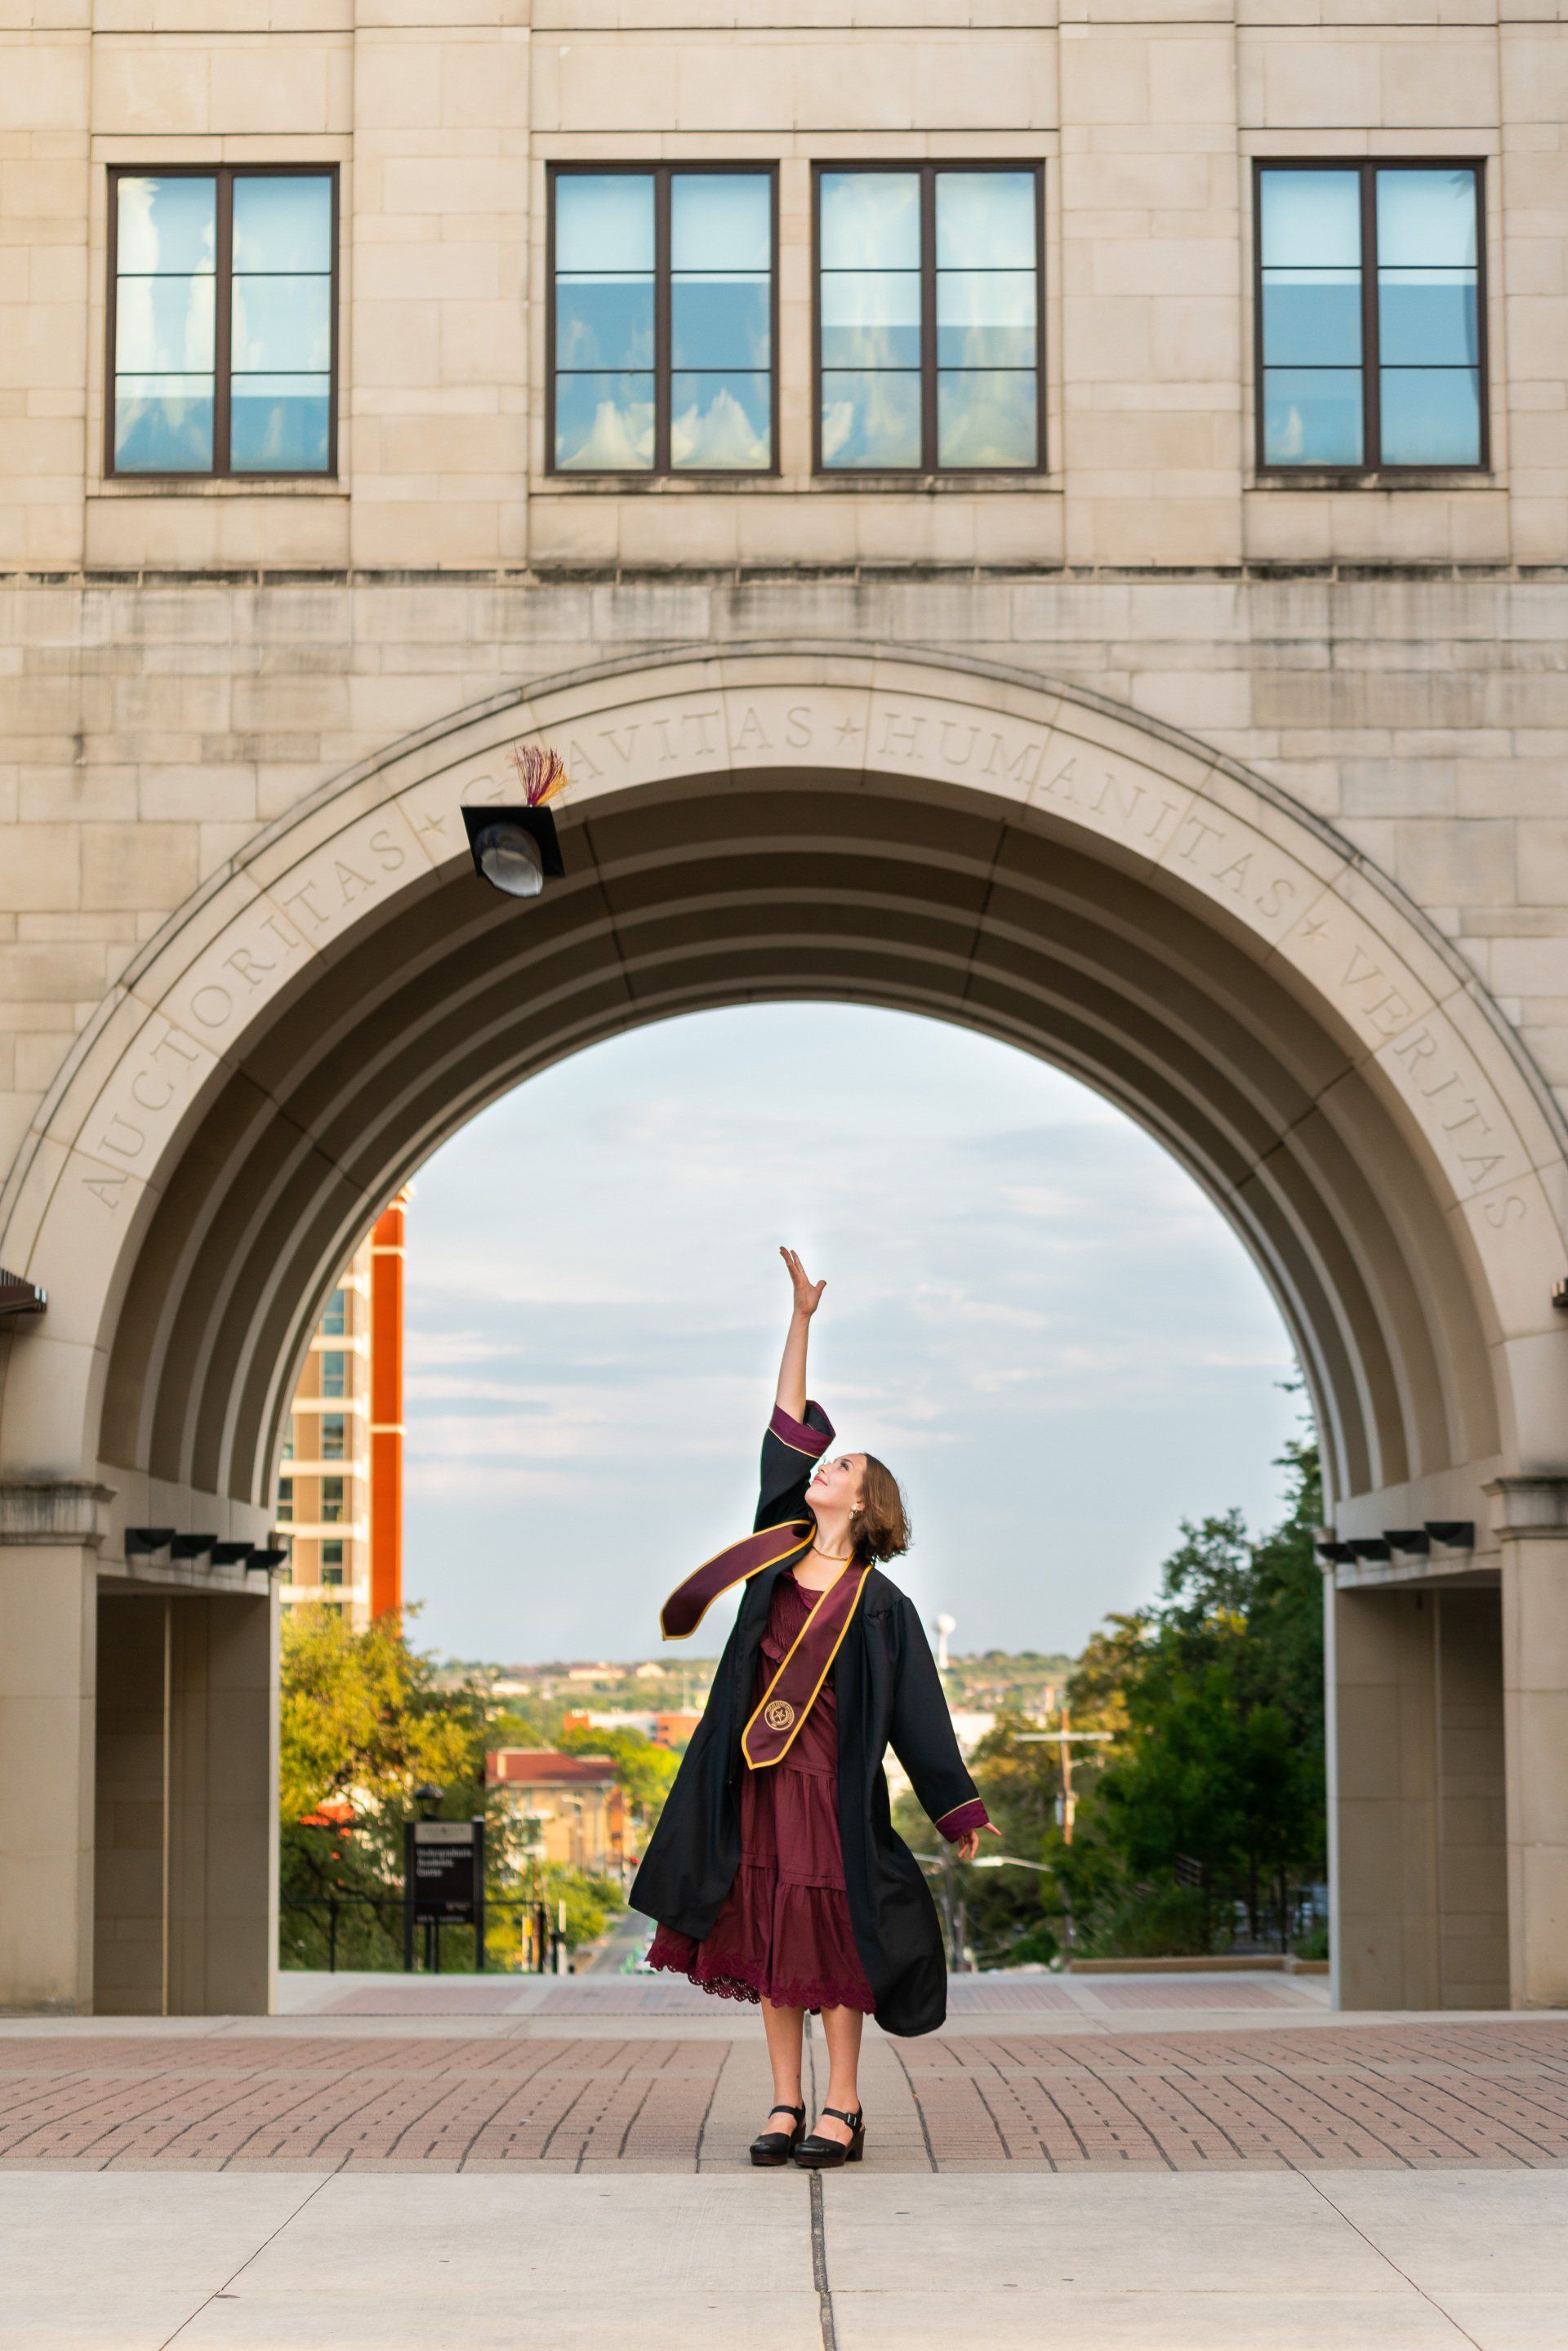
842,1558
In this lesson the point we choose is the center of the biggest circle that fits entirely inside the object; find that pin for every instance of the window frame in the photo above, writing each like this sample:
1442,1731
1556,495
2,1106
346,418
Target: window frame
1370,469
661,173
928,468
225,174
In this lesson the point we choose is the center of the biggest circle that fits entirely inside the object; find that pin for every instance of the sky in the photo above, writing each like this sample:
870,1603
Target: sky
1033,1315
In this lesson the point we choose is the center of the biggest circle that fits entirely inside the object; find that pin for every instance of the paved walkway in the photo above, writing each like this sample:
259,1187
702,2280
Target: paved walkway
1153,2165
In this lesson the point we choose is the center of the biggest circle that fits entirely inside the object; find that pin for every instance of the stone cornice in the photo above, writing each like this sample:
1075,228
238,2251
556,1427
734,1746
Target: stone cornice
56,1511
1527,1506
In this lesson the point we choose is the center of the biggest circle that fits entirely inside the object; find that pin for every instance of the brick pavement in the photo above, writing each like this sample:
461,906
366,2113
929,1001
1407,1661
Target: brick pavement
1493,2093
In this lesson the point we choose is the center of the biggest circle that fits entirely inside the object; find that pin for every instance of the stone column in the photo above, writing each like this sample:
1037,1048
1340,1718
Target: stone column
223,1805
130,1923
50,1536
1472,1830
1530,1517
1382,1798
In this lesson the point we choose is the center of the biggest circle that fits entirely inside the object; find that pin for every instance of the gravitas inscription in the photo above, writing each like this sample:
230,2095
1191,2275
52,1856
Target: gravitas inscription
1186,824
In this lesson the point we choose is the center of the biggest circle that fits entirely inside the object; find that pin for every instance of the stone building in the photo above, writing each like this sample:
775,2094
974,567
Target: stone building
568,1808
1048,516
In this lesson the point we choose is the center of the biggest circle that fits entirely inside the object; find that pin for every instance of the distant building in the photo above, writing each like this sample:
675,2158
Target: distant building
339,1488
971,1725
673,1730
581,1810
585,1719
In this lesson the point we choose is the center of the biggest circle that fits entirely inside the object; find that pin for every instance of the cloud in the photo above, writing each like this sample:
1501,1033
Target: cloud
1031,1309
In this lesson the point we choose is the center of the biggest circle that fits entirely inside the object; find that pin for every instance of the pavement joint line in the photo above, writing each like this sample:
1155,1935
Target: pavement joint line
819,2264
919,2107
817,2221
1462,2332
219,2293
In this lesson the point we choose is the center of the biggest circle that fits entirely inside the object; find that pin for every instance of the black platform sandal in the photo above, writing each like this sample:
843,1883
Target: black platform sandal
817,2153
774,2147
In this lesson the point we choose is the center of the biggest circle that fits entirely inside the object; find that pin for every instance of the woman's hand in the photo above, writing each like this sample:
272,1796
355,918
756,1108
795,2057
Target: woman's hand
808,1293
968,1845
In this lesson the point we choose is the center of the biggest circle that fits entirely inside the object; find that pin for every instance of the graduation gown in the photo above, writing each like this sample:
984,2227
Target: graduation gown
888,1694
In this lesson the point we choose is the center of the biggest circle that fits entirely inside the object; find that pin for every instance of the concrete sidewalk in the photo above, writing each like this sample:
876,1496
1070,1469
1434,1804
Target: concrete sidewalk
327,2262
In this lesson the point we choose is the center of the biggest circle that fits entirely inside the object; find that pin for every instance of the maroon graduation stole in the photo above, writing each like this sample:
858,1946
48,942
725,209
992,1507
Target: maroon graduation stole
792,1694
689,1602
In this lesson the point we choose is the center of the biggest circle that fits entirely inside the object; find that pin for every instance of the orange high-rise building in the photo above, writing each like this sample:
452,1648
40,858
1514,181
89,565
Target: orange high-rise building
386,1409
340,1493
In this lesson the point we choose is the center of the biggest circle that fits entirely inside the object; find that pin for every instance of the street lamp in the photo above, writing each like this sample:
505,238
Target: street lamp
429,1798
515,847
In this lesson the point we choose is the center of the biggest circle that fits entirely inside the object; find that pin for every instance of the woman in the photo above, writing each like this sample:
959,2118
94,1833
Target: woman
774,1872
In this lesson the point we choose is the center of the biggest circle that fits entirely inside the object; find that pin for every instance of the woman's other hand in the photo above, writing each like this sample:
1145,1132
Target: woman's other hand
968,1845
808,1293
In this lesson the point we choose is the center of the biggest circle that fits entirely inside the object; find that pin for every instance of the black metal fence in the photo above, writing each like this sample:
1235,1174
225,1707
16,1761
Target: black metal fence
521,1937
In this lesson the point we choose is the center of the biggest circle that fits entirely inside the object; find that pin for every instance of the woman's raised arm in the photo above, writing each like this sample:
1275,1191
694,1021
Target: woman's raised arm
791,1398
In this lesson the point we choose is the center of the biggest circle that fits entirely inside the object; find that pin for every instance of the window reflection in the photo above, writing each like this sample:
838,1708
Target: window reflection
1309,240
280,402
277,296
165,262
706,239
928,319
1406,239
721,320
1427,320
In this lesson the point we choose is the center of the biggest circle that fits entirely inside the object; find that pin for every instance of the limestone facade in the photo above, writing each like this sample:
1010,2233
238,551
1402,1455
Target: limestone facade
205,682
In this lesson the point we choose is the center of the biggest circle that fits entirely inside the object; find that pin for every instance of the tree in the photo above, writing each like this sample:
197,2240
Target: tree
1210,1793
644,1772
1218,1779
362,1723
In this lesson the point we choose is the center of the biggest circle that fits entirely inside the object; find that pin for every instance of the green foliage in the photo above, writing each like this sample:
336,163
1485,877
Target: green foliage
1209,1794
1218,1775
644,1774
590,1901
1160,1923
362,1723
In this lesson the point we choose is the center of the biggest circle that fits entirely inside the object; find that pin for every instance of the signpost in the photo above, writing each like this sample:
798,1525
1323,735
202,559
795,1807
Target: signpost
444,1884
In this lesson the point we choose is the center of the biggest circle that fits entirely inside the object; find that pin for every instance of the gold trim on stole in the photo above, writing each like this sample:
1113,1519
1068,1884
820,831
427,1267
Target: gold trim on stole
796,1716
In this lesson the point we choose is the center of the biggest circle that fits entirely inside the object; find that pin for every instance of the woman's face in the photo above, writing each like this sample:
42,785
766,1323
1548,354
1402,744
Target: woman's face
837,1483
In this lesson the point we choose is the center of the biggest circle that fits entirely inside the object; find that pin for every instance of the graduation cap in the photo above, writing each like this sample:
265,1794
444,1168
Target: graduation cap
515,847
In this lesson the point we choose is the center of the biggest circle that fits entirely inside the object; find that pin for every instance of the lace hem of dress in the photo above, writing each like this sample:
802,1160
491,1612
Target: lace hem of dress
816,1997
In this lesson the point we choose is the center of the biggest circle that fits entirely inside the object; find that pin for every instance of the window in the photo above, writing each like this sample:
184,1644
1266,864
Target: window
334,1429
223,325
289,1443
929,320
331,1500
286,1497
1370,321
335,1322
331,1562
661,321
334,1373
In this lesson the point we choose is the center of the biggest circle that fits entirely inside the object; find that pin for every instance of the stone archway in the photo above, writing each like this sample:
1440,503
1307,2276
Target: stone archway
900,829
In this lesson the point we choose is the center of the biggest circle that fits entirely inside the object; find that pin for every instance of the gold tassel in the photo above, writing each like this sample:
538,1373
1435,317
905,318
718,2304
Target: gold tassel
542,774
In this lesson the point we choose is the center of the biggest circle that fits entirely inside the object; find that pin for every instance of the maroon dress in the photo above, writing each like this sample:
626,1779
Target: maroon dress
784,1932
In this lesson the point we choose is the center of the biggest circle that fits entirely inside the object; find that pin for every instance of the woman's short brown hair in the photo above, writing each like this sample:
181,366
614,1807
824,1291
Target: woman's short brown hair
880,1521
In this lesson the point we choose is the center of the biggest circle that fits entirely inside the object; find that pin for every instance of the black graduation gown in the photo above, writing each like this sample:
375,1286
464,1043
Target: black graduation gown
889,1695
